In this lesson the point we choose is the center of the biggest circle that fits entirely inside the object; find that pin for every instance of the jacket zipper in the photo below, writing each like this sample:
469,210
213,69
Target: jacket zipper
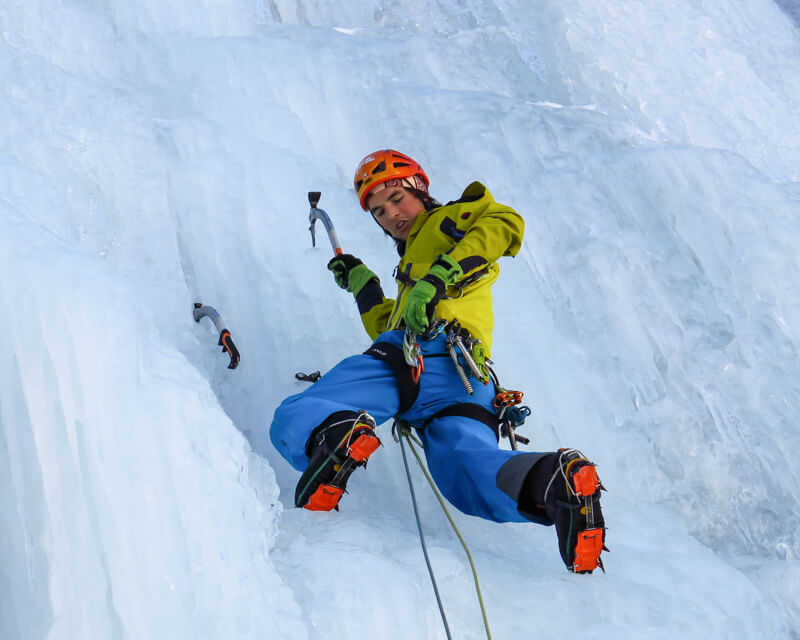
403,287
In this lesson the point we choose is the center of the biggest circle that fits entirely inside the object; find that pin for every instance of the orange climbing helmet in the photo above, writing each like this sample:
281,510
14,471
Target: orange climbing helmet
388,168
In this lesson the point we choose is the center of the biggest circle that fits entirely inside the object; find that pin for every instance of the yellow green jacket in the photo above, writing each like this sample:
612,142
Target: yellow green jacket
475,231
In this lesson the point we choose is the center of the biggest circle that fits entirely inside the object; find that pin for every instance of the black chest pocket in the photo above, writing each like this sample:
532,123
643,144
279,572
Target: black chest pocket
449,228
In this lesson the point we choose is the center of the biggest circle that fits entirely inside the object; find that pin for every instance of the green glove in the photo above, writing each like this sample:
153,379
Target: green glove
423,298
350,273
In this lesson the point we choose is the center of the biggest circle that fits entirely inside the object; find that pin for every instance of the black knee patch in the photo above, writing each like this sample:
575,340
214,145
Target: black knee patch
524,479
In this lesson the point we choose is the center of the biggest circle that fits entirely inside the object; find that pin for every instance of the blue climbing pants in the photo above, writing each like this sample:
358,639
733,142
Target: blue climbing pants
462,453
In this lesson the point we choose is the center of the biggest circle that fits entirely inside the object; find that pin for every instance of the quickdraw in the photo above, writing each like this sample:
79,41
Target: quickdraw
505,399
462,347
511,415
467,353
413,355
451,349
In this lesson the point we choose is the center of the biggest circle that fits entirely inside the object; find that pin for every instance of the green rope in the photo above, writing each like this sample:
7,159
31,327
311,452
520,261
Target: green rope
422,539
405,430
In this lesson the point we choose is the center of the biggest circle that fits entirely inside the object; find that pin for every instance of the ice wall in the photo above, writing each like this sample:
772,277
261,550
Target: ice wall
157,154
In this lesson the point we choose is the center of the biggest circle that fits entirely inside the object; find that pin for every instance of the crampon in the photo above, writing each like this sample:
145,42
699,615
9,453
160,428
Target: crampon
340,448
572,501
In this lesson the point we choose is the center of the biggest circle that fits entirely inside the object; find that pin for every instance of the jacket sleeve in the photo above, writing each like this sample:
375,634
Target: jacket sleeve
374,309
496,232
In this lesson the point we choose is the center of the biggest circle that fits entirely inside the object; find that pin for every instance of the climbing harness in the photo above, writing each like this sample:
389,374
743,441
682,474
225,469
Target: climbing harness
401,429
407,378
460,346
468,410
469,360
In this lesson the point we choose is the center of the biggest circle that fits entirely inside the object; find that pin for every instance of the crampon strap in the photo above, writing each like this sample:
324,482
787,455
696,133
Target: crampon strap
327,496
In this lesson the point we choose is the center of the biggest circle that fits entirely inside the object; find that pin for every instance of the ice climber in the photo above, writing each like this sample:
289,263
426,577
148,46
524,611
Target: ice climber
443,306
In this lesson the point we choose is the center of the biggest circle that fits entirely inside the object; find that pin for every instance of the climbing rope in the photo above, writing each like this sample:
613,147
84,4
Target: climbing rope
422,537
402,429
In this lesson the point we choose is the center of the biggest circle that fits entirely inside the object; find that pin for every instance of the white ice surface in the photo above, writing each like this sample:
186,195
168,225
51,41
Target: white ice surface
158,153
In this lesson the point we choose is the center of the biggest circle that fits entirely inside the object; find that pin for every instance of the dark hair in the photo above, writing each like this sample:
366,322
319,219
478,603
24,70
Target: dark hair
428,201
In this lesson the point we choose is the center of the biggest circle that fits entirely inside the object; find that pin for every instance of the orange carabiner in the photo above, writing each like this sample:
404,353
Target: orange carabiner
507,399
417,371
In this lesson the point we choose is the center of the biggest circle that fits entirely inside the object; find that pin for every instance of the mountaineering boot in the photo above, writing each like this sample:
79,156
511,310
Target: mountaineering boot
335,450
572,502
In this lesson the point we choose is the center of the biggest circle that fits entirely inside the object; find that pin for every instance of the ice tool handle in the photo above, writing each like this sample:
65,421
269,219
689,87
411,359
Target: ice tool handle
225,341
319,214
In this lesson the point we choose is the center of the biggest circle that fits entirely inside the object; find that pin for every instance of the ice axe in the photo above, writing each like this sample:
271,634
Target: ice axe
314,215
225,341
319,214
411,350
